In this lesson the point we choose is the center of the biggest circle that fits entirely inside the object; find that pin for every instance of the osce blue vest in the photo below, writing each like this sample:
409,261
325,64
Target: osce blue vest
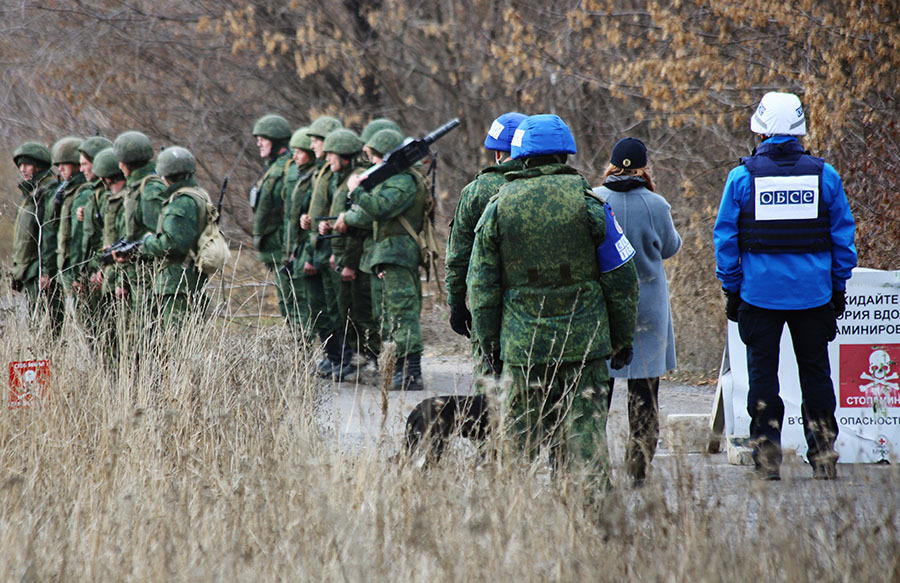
786,212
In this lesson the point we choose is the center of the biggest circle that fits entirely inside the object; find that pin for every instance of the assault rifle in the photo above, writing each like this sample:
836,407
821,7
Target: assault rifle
404,157
122,248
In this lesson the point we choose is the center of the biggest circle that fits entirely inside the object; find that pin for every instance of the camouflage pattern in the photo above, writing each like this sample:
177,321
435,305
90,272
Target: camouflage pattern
539,299
296,303
268,212
536,292
73,258
35,151
567,410
354,298
320,288
375,126
133,148
181,220
144,195
65,151
397,255
76,187
473,199
27,259
273,127
113,230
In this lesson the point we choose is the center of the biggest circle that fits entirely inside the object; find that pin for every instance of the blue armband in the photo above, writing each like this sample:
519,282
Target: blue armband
616,250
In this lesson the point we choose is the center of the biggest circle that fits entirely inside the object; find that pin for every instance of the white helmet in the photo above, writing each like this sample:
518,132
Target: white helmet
779,114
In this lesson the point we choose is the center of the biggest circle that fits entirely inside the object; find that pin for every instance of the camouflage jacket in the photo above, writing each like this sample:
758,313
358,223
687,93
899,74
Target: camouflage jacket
297,194
267,201
28,262
143,197
535,290
92,227
70,230
319,250
181,221
402,195
472,201
348,248
113,230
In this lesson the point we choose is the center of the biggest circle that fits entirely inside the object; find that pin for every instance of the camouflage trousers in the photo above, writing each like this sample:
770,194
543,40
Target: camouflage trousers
292,302
355,308
322,319
401,308
564,407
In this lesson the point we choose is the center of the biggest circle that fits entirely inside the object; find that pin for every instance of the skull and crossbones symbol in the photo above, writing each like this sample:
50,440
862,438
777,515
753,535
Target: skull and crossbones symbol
880,374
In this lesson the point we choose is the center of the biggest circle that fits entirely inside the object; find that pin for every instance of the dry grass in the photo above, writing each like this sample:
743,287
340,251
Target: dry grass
208,458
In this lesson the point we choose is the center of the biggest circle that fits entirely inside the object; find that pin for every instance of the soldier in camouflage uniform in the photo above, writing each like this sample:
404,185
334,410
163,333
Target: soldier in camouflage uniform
342,149
297,193
360,220
472,201
272,134
38,185
178,283
66,157
322,281
397,207
76,267
137,214
544,309
104,217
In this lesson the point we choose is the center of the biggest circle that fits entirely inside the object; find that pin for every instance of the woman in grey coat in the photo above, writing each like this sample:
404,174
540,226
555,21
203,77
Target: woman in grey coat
646,219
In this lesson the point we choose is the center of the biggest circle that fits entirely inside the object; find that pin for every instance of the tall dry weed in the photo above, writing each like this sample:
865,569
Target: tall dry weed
209,456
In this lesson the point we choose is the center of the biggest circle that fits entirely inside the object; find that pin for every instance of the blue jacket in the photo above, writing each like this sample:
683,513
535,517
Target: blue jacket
784,281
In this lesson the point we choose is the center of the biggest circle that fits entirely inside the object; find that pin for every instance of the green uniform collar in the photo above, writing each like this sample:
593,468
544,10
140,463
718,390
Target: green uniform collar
141,173
503,167
541,166
29,186
190,181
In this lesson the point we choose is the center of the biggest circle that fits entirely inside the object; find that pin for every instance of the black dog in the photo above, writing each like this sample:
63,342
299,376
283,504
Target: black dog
435,420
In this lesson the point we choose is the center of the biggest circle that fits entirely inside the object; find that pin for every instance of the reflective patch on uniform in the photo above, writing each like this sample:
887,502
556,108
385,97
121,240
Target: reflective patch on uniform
517,138
496,129
779,198
254,194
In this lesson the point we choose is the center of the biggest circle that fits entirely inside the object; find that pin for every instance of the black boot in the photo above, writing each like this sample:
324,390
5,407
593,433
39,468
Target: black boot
408,373
337,364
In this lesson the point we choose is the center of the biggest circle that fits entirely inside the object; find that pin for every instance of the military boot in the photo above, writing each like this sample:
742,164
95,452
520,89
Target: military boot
337,363
408,373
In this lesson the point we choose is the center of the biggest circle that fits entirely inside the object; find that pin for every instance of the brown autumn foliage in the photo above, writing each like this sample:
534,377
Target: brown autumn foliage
683,75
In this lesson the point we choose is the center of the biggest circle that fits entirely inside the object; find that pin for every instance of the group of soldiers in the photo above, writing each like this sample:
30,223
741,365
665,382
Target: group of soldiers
103,193
345,258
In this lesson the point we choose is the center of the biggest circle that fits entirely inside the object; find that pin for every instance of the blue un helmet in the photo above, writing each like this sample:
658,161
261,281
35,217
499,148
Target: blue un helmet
501,133
542,135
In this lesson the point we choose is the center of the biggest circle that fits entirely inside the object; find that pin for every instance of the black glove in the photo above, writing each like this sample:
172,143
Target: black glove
838,303
16,285
732,303
621,357
494,363
460,319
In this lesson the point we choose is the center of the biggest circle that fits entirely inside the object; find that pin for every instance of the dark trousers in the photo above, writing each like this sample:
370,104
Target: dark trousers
643,424
811,331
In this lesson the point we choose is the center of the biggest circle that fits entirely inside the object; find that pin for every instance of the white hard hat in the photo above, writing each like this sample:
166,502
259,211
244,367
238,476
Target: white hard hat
779,114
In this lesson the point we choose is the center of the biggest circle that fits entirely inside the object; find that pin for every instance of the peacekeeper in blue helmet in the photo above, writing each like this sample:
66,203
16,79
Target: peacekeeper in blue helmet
472,201
545,310
784,252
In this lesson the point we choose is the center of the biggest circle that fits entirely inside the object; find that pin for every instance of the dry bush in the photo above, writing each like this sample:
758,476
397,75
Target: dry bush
209,456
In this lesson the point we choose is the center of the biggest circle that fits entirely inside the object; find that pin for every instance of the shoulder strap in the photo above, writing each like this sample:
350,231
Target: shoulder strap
147,179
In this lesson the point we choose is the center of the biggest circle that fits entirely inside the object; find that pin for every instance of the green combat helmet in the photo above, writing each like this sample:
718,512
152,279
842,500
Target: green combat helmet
91,146
273,127
175,160
300,140
65,151
323,126
106,165
343,142
133,148
32,153
385,141
375,126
